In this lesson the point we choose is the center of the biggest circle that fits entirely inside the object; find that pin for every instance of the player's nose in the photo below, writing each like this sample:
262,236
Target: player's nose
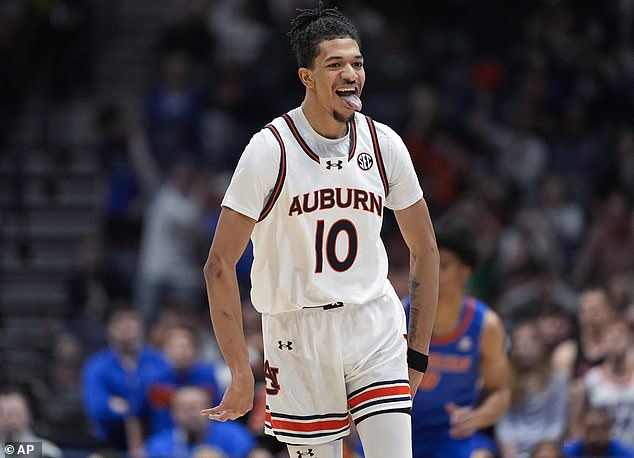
349,73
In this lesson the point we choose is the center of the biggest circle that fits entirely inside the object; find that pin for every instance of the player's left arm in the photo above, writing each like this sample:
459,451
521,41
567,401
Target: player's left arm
494,371
418,232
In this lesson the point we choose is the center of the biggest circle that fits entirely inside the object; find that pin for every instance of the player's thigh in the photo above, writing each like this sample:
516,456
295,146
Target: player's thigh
376,359
306,394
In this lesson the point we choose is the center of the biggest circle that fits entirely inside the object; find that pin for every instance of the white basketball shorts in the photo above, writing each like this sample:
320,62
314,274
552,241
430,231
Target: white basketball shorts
326,367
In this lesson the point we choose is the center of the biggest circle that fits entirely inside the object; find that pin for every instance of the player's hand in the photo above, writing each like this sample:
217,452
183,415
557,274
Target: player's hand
237,400
462,421
415,378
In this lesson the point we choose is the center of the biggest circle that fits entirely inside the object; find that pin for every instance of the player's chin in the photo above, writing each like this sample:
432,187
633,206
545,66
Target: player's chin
343,115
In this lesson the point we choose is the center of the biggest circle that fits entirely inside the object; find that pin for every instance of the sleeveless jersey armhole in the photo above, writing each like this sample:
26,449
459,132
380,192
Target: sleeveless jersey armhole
378,156
281,175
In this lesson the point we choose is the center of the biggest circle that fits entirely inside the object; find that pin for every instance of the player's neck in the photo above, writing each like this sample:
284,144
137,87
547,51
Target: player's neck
448,312
323,122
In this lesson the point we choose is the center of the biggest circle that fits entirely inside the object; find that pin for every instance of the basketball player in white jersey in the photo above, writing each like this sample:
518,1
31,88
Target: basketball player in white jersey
311,189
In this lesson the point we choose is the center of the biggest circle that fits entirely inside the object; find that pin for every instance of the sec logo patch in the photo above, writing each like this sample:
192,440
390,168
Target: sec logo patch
364,160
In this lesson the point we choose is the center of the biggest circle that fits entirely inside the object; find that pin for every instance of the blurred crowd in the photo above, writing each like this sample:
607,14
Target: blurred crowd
518,119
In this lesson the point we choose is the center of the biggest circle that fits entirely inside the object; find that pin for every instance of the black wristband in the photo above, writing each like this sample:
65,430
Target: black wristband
417,360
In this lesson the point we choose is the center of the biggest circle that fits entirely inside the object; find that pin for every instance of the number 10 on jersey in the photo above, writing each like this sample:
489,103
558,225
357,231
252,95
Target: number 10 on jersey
336,263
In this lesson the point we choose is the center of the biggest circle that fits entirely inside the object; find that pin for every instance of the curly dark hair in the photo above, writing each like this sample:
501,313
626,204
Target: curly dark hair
312,26
456,236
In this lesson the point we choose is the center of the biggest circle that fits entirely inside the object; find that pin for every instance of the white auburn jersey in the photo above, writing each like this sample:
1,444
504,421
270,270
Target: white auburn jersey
319,206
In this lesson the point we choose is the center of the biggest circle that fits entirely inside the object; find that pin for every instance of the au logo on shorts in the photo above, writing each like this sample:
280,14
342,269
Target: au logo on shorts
364,160
271,376
288,345
308,452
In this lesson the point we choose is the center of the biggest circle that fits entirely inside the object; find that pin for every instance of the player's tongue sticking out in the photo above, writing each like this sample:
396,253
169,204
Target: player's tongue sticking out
351,101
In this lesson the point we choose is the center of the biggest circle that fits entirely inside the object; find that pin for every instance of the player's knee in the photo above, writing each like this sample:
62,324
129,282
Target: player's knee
386,434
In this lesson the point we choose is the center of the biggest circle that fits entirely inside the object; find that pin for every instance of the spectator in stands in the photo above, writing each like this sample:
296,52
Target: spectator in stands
578,152
174,313
205,451
610,386
169,260
620,289
64,410
188,33
174,112
193,430
115,380
628,314
577,355
441,161
547,449
130,176
555,324
240,30
596,440
609,246
539,397
15,424
122,185
90,287
182,368
528,268
520,158
563,214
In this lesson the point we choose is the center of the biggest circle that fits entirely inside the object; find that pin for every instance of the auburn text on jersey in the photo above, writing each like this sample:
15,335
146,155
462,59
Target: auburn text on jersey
325,198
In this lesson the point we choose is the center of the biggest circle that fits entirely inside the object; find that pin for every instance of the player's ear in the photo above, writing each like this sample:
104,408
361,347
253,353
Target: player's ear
306,77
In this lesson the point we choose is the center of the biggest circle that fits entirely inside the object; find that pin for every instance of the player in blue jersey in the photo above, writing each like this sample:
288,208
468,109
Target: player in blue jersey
465,388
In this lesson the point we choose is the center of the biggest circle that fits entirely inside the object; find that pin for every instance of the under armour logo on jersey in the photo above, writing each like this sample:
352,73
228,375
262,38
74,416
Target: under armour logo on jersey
308,452
338,165
288,345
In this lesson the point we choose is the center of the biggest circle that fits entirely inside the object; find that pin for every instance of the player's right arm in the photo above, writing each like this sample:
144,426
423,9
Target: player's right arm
230,239
244,199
